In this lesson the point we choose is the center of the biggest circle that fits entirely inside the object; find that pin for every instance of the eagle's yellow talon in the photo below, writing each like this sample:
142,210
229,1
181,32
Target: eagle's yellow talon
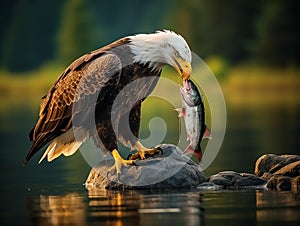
142,151
119,161
142,154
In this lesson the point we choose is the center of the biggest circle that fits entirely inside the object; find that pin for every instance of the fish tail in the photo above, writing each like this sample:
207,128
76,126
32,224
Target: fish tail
196,151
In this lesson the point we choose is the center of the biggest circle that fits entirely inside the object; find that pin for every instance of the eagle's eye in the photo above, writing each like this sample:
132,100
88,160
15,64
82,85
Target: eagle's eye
177,54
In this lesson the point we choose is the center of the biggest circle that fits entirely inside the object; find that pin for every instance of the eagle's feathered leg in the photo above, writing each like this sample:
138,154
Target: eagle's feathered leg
109,143
131,135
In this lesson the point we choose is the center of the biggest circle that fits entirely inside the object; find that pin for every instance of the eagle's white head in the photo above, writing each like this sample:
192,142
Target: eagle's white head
161,48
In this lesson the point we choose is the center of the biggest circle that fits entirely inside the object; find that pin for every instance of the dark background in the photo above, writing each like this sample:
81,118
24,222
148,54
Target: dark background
36,32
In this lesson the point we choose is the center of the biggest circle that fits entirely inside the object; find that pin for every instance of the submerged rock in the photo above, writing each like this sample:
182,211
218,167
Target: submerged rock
166,170
282,172
209,186
232,179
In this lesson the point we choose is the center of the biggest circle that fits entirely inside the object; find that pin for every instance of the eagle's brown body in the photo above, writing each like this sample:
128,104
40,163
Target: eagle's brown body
83,97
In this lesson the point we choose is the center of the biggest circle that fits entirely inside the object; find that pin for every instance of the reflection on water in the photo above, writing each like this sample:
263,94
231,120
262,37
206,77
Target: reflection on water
274,206
118,208
122,208
57,210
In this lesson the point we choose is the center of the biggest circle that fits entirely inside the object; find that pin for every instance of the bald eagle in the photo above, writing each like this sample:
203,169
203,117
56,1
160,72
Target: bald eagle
100,76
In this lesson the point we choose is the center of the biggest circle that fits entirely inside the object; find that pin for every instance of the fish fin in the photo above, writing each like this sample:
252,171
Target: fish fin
181,112
207,134
188,138
190,150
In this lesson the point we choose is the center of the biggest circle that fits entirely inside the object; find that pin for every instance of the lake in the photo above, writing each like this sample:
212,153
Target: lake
53,194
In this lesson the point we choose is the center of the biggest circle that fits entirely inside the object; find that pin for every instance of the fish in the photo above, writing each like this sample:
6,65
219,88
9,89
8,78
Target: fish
193,112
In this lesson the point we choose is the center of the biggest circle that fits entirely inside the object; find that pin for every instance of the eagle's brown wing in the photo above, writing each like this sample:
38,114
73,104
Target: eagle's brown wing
128,125
83,78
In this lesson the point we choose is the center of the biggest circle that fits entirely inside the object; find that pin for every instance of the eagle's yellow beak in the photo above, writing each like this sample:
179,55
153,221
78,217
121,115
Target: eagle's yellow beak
184,68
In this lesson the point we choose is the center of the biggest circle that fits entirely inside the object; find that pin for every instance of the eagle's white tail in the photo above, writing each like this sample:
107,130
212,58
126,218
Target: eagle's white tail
64,144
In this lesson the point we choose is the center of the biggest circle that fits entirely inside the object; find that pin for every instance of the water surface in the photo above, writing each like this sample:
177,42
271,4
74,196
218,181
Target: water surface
53,194
73,205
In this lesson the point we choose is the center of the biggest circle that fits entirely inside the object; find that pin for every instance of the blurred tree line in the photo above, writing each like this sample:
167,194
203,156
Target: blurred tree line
35,32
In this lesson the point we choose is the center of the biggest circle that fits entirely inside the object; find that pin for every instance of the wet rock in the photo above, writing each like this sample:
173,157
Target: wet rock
165,170
279,182
290,170
271,163
232,179
282,172
267,176
296,183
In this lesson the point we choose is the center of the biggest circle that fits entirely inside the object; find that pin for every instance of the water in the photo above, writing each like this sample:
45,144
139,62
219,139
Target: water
53,194
73,205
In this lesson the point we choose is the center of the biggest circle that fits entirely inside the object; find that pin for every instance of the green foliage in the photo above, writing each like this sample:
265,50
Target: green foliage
218,66
75,36
278,41
28,37
215,27
36,32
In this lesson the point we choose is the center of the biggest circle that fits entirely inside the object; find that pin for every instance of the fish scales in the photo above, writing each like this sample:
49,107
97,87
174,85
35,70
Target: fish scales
193,113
